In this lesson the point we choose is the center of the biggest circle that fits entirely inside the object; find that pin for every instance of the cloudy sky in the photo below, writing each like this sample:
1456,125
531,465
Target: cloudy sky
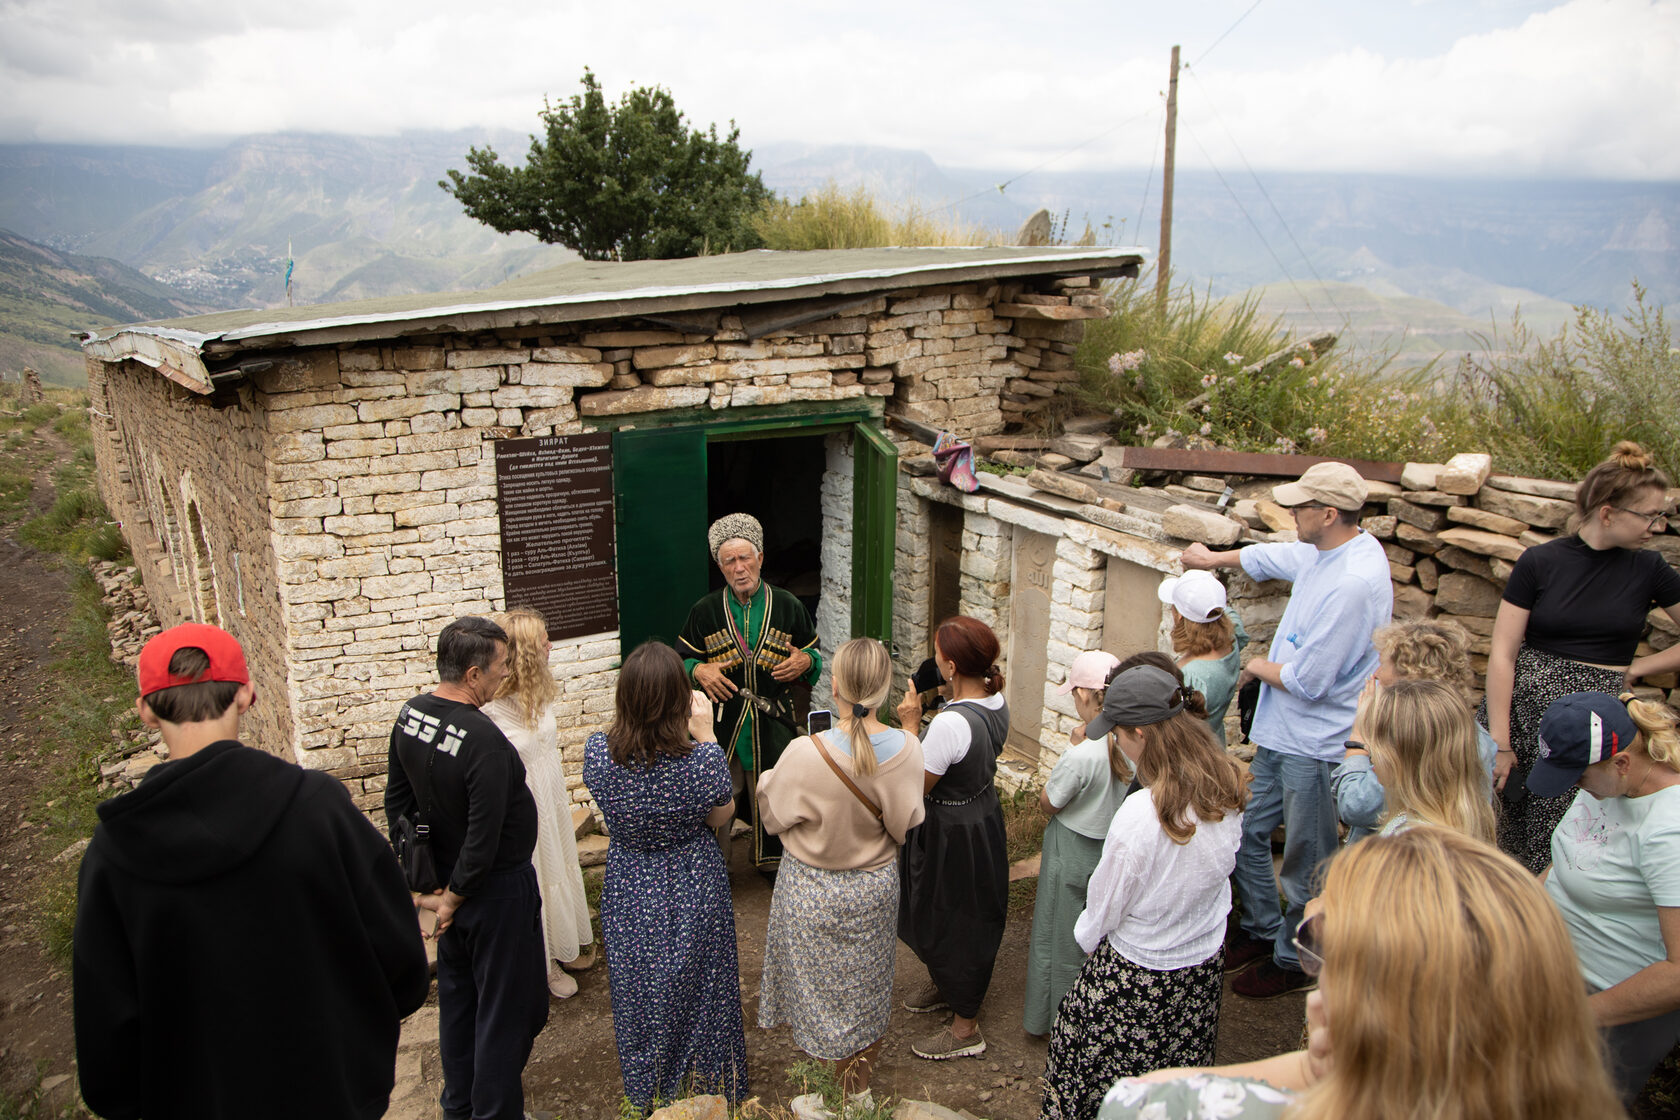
1587,88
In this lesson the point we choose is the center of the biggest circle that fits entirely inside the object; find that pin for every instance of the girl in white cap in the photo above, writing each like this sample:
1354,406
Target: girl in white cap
1207,639
1081,795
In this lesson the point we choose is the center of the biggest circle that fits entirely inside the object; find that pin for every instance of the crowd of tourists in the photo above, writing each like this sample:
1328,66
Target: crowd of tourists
1482,904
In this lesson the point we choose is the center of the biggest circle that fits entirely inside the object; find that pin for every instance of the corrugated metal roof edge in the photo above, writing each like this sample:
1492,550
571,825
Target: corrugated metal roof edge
100,342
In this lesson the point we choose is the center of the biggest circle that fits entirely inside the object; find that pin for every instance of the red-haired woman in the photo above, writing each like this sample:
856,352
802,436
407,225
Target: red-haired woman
953,868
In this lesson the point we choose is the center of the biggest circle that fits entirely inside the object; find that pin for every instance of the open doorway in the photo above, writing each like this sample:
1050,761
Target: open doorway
778,481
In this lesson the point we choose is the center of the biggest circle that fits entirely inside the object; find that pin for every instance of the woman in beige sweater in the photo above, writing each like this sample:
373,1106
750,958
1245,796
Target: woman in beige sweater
841,801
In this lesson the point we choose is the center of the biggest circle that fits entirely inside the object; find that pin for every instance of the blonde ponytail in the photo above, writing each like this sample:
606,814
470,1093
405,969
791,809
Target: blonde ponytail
862,680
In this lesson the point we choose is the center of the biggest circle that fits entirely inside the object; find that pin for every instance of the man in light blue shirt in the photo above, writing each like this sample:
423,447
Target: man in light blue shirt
1310,680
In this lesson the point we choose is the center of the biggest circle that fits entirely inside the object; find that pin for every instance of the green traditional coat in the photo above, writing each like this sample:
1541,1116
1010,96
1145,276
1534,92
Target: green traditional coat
747,643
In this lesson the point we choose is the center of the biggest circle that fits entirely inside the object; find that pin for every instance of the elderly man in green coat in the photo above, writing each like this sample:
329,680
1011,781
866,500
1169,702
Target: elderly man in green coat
745,645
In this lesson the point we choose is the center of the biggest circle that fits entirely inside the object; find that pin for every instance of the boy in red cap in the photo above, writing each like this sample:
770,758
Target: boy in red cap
245,943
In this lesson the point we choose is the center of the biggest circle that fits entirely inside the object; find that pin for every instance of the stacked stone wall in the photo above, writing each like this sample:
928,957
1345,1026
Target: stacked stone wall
361,490
185,478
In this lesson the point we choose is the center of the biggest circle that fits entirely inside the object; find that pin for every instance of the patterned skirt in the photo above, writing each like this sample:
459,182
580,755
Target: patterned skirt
1120,1020
1526,822
828,956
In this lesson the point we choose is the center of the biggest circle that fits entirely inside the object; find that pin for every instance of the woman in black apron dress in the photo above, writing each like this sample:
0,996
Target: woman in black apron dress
953,868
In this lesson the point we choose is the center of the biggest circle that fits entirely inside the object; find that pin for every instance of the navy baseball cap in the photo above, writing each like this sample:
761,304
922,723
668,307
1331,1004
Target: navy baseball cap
1577,731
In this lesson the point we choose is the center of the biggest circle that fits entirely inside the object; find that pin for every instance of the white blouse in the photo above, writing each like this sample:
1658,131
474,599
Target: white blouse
1161,904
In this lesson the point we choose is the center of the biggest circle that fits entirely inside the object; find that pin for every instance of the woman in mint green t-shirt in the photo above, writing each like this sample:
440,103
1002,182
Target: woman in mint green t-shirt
1207,639
1615,870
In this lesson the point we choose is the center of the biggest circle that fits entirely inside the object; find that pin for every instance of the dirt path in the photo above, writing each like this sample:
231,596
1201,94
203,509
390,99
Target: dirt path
35,1029
573,1070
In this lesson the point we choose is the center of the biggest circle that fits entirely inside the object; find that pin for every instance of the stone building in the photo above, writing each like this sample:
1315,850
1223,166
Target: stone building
333,483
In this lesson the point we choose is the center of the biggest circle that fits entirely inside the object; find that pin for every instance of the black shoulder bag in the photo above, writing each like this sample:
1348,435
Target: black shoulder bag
413,839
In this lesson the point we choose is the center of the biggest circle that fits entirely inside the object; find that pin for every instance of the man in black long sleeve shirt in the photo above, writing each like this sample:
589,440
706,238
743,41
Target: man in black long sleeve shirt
451,766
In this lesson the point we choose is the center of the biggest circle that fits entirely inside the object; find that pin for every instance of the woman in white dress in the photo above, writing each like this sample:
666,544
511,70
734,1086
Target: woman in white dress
523,709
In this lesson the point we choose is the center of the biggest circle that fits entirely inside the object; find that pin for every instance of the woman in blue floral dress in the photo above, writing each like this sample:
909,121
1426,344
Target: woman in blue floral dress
666,915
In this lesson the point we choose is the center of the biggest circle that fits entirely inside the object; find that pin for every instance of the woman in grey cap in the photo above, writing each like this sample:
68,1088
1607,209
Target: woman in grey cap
1155,910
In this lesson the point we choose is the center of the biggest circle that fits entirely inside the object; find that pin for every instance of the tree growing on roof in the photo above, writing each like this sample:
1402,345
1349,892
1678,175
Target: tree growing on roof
626,181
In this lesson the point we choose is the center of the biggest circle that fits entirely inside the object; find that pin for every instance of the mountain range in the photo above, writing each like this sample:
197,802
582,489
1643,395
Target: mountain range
1414,265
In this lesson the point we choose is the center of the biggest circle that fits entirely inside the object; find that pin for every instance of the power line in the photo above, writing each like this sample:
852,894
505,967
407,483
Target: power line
1226,32
1252,224
1148,181
1267,196
999,188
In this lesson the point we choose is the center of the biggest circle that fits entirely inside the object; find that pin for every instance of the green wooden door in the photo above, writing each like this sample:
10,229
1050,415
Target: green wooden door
874,520
659,486
659,490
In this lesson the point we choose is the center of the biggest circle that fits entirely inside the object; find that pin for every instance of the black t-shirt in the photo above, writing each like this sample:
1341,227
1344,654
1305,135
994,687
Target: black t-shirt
1589,604
482,815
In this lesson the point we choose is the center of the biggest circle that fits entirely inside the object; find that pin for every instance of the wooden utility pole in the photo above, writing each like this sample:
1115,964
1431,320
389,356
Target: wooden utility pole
1163,263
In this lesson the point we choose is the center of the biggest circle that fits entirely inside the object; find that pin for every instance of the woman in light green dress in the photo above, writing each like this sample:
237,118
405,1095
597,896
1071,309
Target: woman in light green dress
1081,795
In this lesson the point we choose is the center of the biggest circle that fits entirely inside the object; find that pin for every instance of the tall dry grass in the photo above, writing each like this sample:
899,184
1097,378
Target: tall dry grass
835,218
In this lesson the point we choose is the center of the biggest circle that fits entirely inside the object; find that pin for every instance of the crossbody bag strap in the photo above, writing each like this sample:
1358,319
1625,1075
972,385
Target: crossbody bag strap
841,774
423,793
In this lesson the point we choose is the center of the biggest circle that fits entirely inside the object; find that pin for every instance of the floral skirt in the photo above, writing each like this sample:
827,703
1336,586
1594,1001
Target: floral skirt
1120,1020
1526,822
828,956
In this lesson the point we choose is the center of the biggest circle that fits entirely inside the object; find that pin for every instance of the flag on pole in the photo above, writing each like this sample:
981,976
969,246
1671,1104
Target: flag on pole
289,263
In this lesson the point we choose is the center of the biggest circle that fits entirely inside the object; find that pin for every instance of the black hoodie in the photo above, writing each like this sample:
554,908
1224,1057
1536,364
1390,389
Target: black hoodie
245,947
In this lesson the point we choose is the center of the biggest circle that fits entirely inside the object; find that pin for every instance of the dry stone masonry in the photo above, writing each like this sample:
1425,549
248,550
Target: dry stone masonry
334,504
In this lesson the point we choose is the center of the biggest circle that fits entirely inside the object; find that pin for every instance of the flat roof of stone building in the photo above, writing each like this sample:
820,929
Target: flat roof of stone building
595,290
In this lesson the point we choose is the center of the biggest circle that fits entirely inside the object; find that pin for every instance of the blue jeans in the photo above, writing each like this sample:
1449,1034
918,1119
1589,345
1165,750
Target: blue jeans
1294,791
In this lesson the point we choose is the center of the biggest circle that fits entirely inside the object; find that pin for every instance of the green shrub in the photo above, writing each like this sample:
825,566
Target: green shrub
1178,368
1555,407
818,1077
39,413
90,707
72,424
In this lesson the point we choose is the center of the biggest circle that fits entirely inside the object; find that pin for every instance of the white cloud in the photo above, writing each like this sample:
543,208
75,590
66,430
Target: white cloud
1498,87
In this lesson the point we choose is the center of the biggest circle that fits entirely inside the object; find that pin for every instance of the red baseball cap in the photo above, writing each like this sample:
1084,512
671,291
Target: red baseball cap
227,660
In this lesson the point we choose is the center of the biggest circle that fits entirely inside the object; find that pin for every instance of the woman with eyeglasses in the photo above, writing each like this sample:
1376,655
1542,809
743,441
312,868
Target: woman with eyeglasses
1447,988
1570,621
1155,909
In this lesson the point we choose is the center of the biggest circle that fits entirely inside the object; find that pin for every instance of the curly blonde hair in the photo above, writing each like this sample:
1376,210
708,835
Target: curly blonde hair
529,680
1659,728
1428,649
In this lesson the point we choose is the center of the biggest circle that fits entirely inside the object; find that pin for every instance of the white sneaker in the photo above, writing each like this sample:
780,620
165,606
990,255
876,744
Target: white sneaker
561,984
